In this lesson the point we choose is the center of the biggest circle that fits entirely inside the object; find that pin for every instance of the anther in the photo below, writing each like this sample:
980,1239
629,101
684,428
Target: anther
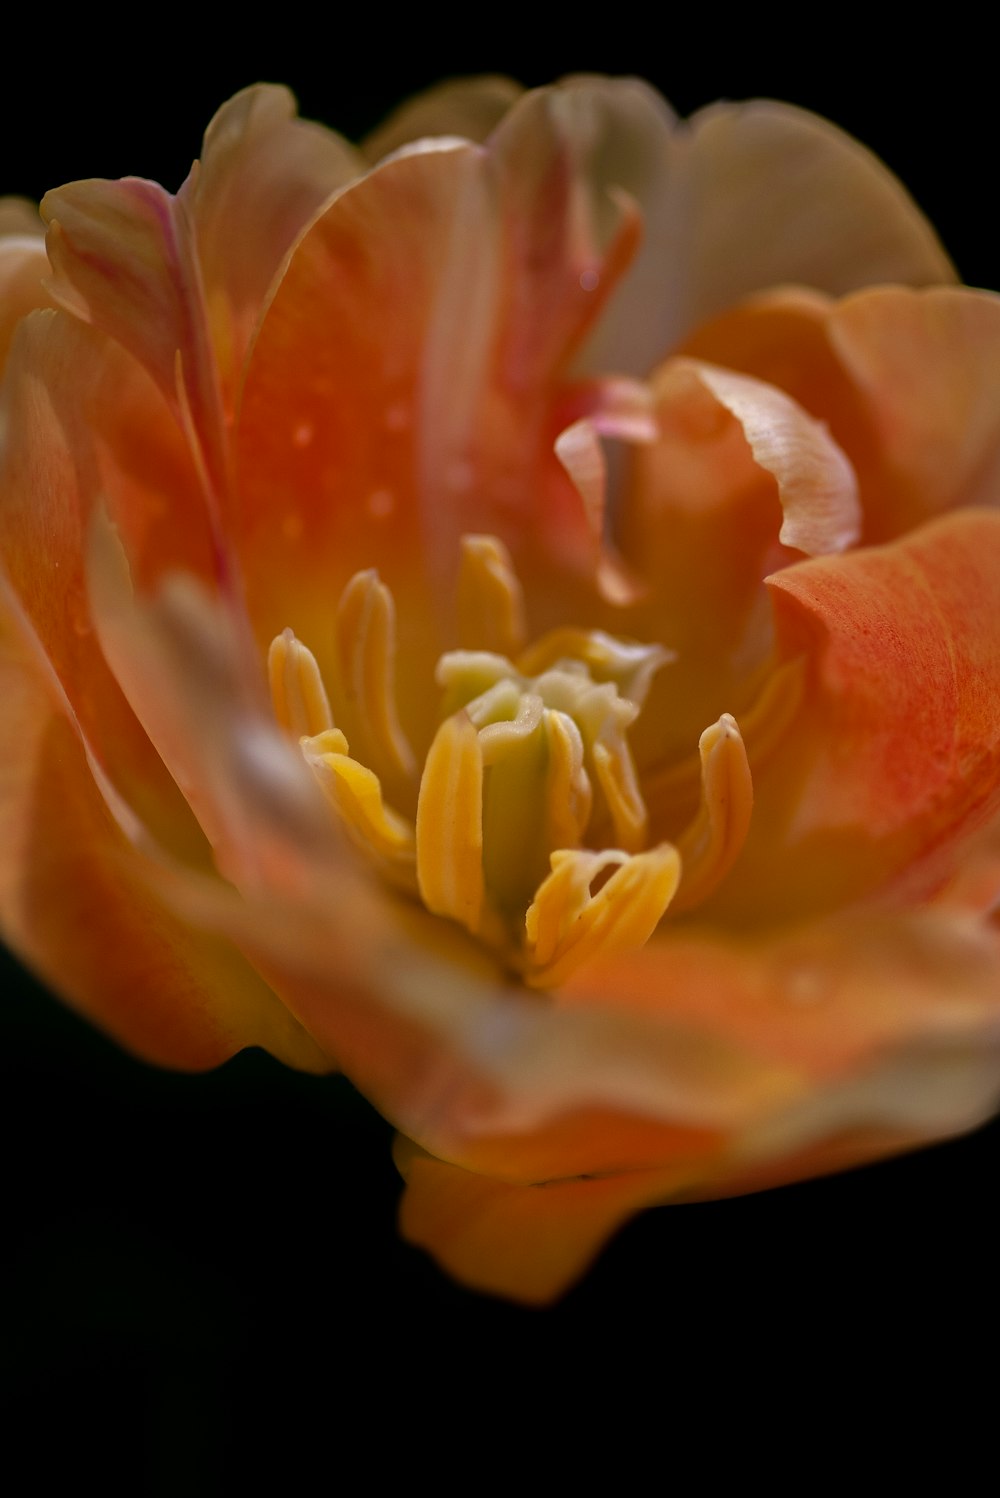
714,840
297,691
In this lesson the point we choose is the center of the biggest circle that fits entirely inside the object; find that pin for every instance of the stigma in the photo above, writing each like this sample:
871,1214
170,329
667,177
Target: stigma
530,827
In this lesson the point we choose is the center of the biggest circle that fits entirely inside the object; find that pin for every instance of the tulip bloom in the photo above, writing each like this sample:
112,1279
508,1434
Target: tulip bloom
510,613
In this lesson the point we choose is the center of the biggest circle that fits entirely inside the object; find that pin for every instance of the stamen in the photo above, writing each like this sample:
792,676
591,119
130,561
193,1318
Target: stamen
356,795
366,654
490,601
629,666
567,926
714,840
297,692
450,824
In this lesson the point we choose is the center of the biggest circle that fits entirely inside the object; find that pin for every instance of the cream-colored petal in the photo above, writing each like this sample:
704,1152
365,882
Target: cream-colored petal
747,196
817,485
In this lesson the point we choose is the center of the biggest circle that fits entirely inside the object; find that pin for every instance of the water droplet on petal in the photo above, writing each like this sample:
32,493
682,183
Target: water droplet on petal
303,434
589,280
381,503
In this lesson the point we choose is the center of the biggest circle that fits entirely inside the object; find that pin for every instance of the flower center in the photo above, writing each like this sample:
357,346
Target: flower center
531,829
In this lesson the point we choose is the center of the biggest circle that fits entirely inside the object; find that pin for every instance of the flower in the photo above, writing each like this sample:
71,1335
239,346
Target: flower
507,613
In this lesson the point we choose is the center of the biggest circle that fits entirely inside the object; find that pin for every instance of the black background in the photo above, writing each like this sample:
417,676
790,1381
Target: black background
203,1270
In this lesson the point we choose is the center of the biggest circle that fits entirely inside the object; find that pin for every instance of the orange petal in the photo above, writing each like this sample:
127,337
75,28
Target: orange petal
377,447
528,1243
72,890
927,366
894,757
263,174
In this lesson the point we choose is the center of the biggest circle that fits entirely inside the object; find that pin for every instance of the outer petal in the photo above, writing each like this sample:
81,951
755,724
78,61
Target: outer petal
125,261
526,1242
85,424
72,889
893,761
804,202
23,264
262,175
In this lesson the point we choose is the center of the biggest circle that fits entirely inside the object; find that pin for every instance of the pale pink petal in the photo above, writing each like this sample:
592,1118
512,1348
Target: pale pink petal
124,260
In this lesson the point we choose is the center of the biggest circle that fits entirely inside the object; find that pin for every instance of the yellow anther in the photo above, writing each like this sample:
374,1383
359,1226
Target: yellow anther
490,601
569,796
629,666
297,691
567,926
356,795
366,657
712,843
450,824
617,778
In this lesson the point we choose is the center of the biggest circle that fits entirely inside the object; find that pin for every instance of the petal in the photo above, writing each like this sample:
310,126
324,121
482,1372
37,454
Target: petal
904,380
72,890
467,108
124,260
893,760
453,276
263,174
927,366
84,422
816,483
528,1243
806,204
23,267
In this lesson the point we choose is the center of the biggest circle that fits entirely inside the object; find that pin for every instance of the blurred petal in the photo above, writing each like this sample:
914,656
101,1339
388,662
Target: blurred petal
72,891
469,108
927,366
23,267
524,1242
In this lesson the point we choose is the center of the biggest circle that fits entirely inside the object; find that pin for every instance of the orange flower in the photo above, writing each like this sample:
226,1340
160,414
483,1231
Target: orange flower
518,623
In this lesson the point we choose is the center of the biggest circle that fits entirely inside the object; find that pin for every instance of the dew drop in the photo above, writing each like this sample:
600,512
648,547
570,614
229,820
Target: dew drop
291,526
381,503
397,417
589,280
460,476
807,985
303,434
